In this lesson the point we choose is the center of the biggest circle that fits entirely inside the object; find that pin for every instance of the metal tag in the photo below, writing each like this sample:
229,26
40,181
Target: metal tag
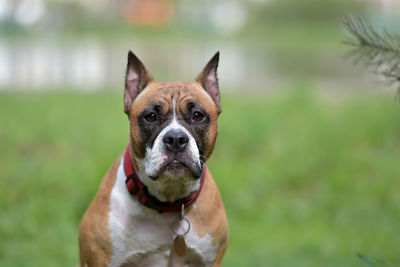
180,245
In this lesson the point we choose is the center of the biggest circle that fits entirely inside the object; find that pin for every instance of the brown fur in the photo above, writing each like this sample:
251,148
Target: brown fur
94,234
208,217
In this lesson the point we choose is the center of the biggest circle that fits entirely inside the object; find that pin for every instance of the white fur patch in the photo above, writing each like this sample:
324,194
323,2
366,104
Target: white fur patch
142,237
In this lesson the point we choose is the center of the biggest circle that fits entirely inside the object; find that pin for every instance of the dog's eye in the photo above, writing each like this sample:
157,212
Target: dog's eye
197,116
151,117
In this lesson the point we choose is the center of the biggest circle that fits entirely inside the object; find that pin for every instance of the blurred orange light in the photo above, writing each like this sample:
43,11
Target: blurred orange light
153,13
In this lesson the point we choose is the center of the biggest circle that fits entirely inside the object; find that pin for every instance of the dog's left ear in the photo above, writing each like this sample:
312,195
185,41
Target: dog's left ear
136,79
209,80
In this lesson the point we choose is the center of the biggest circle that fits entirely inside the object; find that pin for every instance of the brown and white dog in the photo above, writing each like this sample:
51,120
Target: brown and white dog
135,216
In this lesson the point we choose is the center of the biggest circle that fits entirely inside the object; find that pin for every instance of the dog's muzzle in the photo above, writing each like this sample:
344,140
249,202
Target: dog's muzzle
175,141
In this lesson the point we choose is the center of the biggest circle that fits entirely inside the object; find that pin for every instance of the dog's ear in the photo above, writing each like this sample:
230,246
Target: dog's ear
209,80
136,79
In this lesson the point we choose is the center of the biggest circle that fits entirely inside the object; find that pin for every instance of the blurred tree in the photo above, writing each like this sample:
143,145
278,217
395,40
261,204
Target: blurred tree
381,52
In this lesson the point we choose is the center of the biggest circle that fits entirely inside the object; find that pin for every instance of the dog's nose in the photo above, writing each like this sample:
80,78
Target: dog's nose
175,140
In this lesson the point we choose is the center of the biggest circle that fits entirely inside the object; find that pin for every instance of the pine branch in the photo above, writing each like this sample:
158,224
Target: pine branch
381,52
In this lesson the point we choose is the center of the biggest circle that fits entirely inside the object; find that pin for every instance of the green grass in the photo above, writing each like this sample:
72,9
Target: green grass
306,182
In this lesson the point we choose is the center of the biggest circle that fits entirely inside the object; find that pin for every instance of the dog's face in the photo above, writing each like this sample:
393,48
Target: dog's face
173,124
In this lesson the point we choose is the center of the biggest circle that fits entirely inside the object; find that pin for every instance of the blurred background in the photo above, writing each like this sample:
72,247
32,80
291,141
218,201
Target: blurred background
307,159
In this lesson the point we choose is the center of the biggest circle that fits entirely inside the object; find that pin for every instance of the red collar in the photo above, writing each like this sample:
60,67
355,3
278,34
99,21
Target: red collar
138,189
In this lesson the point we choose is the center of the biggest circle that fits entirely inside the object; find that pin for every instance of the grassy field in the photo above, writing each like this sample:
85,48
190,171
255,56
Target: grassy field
305,181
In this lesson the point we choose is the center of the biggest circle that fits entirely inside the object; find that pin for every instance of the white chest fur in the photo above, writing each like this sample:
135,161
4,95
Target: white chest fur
142,237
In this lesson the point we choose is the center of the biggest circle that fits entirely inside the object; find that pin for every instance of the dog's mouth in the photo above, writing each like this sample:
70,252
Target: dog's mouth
175,166
178,165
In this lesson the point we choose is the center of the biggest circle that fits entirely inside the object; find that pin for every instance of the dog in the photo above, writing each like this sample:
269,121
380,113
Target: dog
158,204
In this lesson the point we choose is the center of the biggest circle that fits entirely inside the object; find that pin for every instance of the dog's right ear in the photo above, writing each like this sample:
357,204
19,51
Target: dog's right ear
136,79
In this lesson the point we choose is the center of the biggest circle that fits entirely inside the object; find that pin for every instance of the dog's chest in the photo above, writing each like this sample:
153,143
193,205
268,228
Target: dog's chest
141,237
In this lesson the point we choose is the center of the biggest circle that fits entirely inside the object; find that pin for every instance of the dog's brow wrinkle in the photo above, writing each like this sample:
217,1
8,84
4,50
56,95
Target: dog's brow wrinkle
168,87
185,98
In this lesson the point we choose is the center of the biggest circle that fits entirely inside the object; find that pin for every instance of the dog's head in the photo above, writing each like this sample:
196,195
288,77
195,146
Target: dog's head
173,125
